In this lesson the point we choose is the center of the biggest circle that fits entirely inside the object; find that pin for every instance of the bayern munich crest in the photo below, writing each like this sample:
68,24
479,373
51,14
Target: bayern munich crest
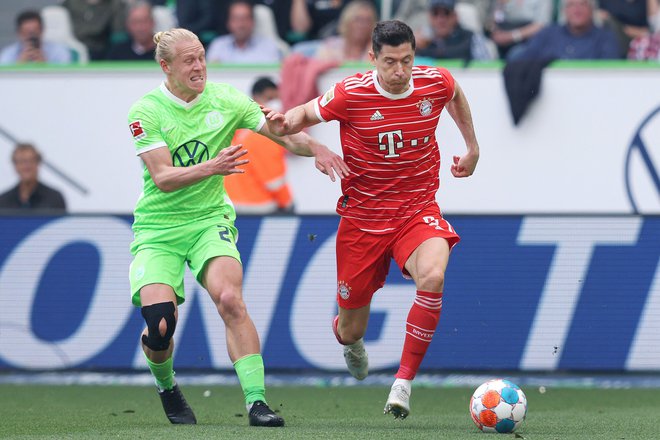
343,290
425,107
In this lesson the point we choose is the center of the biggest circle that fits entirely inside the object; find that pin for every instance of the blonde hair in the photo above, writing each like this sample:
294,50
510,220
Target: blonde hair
166,40
351,10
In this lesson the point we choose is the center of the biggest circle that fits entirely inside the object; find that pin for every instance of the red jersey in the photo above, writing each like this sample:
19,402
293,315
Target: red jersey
389,144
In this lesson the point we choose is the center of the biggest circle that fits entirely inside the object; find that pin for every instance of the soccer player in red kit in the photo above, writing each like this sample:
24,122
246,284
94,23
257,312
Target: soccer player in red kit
388,119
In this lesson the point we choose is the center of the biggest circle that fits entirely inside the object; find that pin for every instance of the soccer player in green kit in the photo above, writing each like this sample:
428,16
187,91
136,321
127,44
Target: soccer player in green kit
182,132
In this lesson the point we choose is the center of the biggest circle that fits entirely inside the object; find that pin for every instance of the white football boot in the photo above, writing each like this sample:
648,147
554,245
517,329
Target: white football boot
398,402
357,359
355,355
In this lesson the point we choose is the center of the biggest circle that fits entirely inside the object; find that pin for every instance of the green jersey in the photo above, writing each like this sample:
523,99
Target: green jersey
194,132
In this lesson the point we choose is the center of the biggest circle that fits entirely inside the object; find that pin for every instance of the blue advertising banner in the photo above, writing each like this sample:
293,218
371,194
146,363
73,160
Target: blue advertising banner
536,293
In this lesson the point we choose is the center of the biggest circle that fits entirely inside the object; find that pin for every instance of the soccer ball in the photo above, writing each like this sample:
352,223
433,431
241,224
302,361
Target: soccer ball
498,405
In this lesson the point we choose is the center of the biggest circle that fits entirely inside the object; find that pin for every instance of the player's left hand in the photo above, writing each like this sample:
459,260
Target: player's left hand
464,166
277,123
328,162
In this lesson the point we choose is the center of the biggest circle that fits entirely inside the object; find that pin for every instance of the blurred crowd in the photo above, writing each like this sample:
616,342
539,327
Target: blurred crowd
338,31
308,37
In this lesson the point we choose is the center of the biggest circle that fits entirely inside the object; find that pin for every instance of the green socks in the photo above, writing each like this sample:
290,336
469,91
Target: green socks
250,371
163,373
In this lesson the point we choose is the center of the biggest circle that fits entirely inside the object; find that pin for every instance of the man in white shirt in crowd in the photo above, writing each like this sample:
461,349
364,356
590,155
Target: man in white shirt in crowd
241,45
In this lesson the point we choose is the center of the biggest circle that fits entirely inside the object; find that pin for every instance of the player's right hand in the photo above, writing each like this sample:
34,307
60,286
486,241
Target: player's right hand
227,161
277,123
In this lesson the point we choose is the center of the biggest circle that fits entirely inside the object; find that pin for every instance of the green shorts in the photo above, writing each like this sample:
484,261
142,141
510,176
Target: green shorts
160,255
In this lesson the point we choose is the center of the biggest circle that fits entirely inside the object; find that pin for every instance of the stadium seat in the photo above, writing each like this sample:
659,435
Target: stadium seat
264,24
164,18
58,28
468,17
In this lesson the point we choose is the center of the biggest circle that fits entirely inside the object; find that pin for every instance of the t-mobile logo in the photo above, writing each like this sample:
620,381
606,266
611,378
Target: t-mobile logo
389,141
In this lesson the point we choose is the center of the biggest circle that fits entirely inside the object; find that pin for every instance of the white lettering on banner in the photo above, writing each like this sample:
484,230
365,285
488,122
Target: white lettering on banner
574,239
108,310
645,351
314,307
263,279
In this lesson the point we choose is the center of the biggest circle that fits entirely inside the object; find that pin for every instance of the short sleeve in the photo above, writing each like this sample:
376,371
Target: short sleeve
449,81
144,129
252,118
331,105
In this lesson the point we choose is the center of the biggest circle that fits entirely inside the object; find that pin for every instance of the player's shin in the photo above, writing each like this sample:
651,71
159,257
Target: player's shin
163,373
420,326
250,371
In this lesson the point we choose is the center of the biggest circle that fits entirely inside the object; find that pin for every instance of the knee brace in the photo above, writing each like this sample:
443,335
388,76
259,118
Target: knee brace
153,314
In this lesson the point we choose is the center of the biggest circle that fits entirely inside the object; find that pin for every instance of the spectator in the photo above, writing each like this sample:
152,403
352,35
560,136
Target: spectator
30,193
263,188
448,39
96,22
353,43
30,46
140,27
578,39
628,19
514,22
315,19
241,45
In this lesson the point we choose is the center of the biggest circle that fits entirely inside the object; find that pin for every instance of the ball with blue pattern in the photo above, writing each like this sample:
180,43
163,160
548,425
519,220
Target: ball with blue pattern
498,406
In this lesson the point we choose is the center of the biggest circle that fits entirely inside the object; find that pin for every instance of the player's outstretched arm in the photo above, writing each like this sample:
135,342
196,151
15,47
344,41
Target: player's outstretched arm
302,144
293,121
169,178
459,109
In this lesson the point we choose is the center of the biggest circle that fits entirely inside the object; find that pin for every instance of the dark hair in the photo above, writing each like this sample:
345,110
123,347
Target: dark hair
28,16
261,84
391,33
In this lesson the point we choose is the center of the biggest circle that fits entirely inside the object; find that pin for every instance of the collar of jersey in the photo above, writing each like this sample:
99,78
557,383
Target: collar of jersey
389,95
177,100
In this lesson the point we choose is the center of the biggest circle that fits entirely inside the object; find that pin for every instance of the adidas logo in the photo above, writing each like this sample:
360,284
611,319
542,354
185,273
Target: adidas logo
377,116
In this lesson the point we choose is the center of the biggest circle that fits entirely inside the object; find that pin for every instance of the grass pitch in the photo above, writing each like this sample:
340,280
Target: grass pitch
134,412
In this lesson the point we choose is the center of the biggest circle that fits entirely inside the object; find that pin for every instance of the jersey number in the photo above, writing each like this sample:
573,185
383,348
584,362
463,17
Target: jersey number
224,233
435,223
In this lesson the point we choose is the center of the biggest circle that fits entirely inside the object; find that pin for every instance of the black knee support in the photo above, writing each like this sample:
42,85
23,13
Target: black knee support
153,314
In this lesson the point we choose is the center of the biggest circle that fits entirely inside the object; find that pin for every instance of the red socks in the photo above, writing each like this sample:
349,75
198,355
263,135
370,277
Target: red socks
422,320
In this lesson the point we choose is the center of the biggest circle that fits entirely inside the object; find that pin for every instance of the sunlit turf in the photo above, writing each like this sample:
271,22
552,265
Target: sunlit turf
134,412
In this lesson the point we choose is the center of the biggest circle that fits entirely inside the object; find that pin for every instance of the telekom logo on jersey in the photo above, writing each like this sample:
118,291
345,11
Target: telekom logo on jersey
390,141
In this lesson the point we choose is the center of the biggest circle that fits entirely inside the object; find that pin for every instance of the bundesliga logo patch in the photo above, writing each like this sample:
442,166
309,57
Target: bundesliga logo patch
137,131
329,96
